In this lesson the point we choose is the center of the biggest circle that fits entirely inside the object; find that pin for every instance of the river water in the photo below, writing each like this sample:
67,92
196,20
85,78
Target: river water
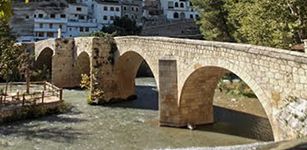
129,125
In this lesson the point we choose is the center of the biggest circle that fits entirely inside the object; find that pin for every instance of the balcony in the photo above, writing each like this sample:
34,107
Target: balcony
81,24
48,30
50,20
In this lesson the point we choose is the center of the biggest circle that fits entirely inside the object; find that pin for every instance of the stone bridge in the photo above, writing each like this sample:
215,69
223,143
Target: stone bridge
186,73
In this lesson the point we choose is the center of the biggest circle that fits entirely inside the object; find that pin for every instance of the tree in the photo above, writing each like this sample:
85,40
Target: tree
5,10
279,24
25,67
214,20
122,26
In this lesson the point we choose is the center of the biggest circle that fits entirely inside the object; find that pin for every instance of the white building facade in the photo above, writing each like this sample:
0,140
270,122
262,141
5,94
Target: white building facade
178,9
106,12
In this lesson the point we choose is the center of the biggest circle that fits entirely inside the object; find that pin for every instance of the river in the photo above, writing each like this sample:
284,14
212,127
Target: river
133,125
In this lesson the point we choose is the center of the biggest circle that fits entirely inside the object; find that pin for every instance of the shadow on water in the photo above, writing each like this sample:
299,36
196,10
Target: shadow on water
227,121
50,128
147,99
241,124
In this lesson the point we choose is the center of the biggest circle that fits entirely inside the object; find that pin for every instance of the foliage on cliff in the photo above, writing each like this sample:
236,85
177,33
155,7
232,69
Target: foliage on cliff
279,24
5,10
122,26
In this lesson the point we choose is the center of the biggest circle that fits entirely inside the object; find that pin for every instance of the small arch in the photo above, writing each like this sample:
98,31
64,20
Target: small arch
83,64
43,64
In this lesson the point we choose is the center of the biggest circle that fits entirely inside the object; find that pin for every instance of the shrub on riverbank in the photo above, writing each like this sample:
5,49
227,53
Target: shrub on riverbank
35,111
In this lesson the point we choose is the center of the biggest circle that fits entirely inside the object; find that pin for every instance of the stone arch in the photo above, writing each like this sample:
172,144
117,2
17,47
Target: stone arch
126,68
44,63
197,91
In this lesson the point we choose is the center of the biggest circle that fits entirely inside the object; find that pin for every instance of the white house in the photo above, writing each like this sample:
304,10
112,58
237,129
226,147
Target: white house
46,24
178,9
106,12
79,21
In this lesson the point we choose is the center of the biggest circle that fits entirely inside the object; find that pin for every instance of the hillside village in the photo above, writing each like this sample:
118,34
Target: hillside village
43,19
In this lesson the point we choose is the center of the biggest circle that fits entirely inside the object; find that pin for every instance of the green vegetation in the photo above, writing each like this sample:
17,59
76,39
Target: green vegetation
121,27
5,10
36,111
239,89
279,24
85,81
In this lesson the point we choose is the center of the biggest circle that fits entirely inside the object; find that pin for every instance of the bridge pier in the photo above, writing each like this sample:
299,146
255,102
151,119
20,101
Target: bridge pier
63,63
168,94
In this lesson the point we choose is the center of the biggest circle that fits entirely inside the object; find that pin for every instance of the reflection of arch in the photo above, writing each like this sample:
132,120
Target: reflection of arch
199,87
43,62
126,68
176,15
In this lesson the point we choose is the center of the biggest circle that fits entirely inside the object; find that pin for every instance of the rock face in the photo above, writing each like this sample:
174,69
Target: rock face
186,73
293,117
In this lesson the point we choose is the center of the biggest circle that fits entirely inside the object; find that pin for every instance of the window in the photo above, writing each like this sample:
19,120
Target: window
136,9
112,9
191,16
79,9
40,15
176,4
40,34
87,29
182,5
49,34
105,8
132,8
70,29
81,17
176,15
41,25
52,16
111,17
34,16
50,25
63,16
60,26
170,4
117,8
81,29
125,8
105,17
27,17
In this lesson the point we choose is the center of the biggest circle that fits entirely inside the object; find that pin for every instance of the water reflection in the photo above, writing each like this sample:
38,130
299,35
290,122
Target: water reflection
147,99
237,123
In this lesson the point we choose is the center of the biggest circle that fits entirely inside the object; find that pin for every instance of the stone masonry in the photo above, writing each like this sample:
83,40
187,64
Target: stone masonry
186,72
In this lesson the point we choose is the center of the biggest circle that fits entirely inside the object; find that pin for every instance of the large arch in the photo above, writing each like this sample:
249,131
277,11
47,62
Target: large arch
197,92
43,62
126,68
